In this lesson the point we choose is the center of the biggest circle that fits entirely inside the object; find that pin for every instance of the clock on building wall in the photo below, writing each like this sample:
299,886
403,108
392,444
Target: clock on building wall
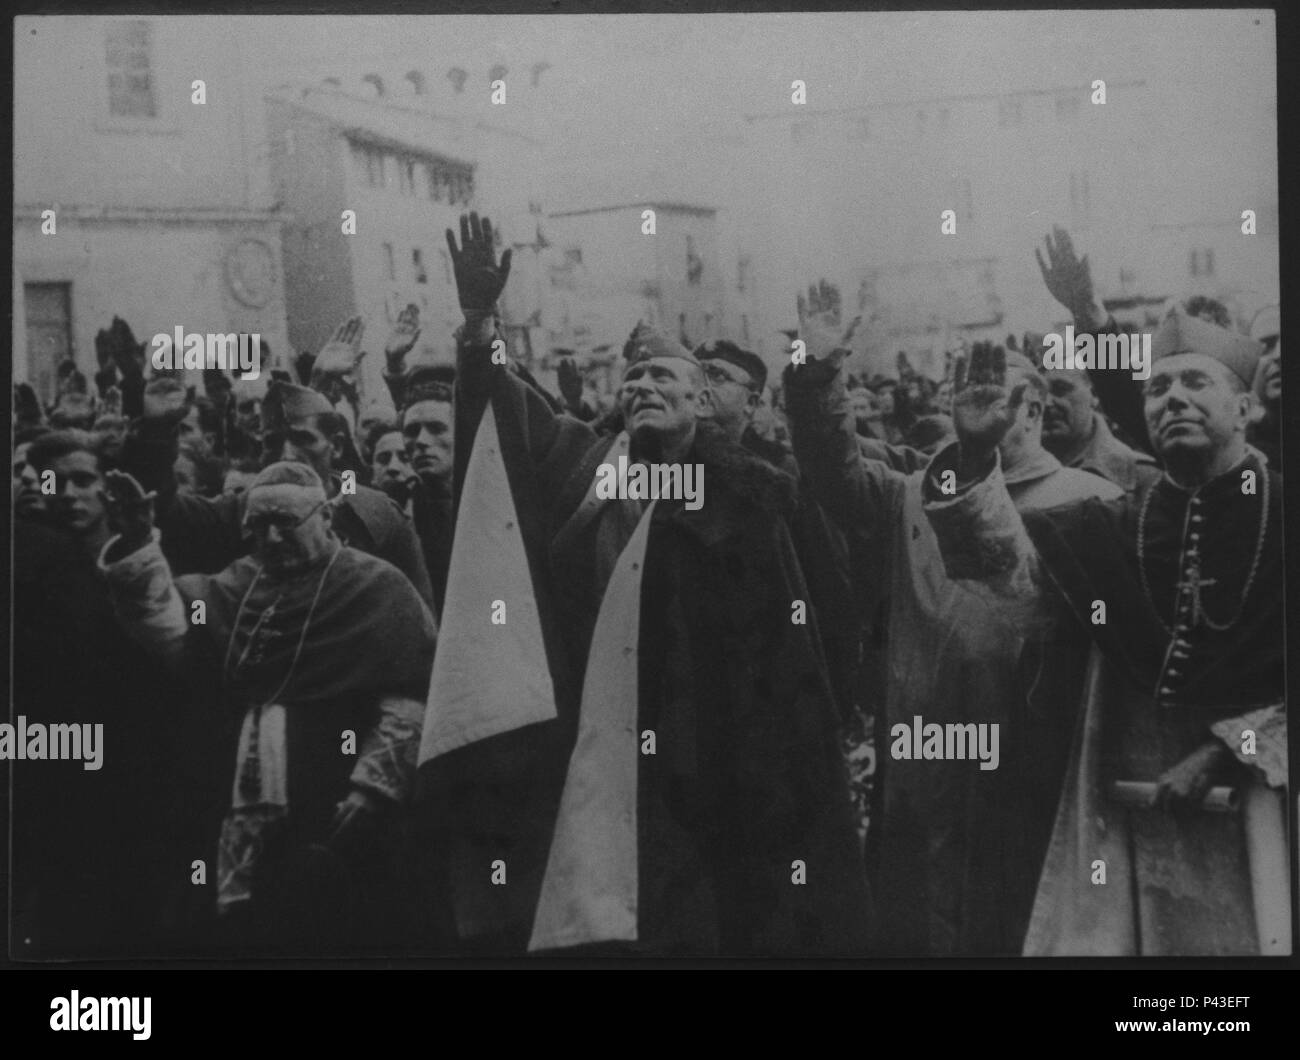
250,272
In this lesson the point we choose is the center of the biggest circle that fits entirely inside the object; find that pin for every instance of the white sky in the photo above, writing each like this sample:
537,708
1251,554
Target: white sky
666,91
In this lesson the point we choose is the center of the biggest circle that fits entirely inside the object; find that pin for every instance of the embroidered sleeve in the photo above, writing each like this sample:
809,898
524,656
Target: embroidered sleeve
981,535
145,599
1267,726
386,763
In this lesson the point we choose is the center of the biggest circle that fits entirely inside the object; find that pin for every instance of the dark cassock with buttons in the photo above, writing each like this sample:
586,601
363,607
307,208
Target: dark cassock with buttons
1189,648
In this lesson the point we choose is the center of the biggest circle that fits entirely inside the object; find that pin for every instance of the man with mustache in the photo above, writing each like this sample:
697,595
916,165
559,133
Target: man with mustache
1180,588
629,714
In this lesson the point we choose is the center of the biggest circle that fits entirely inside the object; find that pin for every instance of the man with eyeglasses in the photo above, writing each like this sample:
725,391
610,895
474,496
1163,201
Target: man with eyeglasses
324,654
736,380
201,534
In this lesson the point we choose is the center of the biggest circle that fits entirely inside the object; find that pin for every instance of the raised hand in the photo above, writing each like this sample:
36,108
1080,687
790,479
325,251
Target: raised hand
570,382
120,346
983,407
402,338
1068,277
339,357
819,324
165,399
130,510
905,370
480,279
27,406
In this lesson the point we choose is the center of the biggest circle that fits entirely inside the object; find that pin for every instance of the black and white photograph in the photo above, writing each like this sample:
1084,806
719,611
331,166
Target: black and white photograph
771,485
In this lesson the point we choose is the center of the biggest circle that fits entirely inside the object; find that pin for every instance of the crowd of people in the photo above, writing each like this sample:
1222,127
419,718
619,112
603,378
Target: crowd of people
390,674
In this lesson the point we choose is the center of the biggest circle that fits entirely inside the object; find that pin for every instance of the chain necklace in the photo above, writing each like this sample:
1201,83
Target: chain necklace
1198,608
302,638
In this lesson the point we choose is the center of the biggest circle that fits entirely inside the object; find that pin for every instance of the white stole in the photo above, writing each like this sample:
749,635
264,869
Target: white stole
589,893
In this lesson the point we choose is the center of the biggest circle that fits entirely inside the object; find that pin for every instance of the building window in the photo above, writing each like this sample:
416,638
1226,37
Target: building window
742,272
1010,111
1202,262
1067,108
390,263
406,175
573,255
47,308
131,90
417,259
370,163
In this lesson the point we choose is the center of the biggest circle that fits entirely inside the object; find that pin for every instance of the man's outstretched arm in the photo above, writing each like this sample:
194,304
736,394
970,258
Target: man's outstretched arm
551,439
861,496
145,599
1069,279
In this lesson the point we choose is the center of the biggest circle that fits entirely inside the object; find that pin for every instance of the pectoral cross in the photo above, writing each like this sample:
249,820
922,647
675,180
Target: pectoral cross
1193,584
